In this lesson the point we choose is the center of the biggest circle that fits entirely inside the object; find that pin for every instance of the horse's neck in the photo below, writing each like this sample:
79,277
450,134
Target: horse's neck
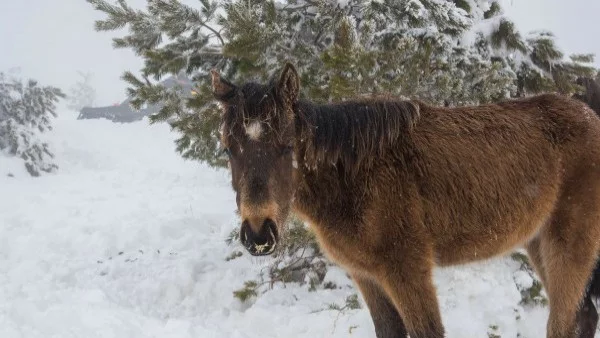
322,187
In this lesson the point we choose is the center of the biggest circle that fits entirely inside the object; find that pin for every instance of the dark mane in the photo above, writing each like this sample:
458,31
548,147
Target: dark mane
352,132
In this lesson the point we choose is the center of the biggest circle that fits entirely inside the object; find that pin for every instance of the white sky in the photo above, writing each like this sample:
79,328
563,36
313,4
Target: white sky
573,22
50,40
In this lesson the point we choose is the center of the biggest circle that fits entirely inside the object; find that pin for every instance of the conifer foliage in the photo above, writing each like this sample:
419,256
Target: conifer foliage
25,112
452,52
82,94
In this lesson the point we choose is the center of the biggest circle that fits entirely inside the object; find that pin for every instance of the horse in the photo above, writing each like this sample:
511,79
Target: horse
394,188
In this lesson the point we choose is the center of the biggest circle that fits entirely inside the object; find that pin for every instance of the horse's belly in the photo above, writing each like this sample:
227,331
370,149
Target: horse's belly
496,224
488,242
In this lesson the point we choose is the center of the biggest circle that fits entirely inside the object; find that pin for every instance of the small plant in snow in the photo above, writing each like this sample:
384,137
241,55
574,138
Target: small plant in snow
25,112
297,260
527,282
248,291
493,332
330,285
351,328
234,255
351,303
233,237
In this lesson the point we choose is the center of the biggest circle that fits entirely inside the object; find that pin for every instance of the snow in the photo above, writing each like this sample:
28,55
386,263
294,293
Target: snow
127,239
337,276
484,26
343,3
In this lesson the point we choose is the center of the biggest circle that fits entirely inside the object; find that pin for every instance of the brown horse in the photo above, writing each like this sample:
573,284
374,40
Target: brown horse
393,188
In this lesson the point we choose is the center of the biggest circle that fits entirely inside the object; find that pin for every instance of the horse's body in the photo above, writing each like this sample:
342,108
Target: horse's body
477,181
393,188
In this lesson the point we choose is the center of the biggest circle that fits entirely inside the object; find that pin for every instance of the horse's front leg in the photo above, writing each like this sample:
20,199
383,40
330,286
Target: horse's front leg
408,280
387,320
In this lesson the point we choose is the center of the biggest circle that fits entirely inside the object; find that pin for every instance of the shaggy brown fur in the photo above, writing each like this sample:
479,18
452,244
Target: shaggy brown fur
393,188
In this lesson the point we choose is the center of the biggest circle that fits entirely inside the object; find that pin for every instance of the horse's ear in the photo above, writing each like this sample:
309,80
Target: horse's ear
289,83
222,89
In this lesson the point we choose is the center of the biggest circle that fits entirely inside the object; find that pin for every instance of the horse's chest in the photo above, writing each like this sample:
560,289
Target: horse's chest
334,225
343,249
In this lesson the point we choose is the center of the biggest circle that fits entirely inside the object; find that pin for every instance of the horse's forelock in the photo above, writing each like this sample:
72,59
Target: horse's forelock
256,105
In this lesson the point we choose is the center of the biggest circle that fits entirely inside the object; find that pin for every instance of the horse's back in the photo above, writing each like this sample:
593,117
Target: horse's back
493,173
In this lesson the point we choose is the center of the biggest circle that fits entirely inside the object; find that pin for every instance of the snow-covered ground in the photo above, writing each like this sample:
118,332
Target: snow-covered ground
128,240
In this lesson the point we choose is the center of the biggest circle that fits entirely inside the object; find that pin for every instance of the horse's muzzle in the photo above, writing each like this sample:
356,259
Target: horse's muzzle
260,243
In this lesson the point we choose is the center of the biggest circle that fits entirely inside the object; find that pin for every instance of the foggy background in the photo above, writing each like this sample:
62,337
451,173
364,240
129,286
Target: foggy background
51,40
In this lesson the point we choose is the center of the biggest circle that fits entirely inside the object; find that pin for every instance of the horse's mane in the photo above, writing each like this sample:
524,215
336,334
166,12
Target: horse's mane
354,132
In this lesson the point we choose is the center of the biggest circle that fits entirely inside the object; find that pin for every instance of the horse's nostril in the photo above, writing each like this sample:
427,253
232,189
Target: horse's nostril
270,227
244,232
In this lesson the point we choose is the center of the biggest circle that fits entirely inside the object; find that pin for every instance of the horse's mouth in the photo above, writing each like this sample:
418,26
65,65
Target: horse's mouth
260,244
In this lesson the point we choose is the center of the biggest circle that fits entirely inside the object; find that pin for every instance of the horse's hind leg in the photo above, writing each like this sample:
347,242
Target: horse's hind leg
387,320
535,256
587,318
569,245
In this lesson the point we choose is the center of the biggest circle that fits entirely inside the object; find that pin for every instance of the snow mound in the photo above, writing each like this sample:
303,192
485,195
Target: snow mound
128,240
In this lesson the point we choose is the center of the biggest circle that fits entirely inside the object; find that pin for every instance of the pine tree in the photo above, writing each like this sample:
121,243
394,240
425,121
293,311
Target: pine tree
82,94
25,112
409,48
173,38
538,63
589,93
443,52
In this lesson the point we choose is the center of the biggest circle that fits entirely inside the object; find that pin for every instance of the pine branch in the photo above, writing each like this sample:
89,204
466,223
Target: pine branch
583,58
118,16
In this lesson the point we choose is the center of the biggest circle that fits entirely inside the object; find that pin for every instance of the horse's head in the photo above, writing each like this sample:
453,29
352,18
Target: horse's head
257,134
